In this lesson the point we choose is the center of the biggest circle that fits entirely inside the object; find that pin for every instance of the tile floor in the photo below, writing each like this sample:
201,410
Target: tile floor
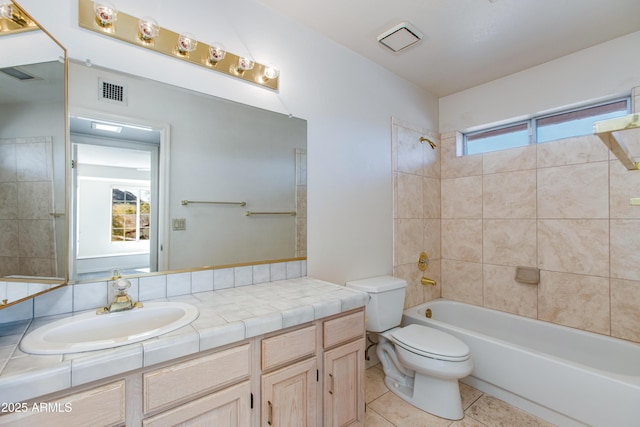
385,409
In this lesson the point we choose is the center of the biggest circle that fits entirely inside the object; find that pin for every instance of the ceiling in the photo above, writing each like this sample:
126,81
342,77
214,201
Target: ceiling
466,42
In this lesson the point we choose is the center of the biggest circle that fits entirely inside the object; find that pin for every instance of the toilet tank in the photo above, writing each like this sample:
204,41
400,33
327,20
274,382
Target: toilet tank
386,301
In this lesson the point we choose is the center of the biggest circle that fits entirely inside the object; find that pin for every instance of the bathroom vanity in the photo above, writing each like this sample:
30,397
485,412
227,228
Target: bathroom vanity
301,357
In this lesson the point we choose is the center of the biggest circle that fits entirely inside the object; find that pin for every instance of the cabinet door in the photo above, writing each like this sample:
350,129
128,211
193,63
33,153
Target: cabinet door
229,407
289,396
344,385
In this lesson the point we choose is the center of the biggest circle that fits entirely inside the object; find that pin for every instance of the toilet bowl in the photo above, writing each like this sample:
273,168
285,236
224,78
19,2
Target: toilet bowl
425,373
422,365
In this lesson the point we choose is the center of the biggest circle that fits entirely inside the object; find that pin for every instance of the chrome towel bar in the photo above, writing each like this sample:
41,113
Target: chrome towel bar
186,202
249,213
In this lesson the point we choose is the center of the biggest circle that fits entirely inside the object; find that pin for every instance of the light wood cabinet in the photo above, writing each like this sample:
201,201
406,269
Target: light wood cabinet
229,407
344,385
289,395
344,370
99,406
311,375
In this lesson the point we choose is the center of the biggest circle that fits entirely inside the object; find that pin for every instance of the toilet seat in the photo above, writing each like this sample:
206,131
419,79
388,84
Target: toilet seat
430,342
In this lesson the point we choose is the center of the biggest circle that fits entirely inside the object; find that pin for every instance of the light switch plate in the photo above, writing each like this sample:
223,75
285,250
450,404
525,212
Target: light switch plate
179,224
634,201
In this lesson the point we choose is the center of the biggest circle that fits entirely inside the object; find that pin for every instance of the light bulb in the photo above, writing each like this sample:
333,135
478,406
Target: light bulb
245,63
217,52
270,72
187,43
106,13
6,10
148,28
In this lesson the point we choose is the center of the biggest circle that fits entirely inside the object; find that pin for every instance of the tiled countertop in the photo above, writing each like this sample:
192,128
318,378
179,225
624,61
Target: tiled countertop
226,316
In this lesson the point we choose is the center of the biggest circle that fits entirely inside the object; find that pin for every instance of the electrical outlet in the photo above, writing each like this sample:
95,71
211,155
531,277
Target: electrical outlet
179,224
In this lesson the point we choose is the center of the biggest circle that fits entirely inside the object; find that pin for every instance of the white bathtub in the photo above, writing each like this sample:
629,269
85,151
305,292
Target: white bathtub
567,376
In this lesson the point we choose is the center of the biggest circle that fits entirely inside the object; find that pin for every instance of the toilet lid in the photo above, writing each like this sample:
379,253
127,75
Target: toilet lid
431,342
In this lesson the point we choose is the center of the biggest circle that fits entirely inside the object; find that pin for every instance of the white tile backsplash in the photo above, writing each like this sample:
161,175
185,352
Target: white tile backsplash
88,296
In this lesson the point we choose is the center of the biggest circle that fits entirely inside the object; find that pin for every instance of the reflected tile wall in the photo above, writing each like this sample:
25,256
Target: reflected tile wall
26,201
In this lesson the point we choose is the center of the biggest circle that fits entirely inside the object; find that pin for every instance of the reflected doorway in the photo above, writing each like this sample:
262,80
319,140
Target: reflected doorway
114,198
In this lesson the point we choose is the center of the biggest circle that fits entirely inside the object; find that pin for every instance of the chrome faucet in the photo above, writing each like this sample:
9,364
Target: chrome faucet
121,301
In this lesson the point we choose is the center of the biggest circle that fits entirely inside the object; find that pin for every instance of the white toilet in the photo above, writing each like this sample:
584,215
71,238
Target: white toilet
422,365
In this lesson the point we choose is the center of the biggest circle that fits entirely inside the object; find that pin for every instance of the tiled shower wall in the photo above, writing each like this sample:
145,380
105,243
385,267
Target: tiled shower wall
561,206
26,202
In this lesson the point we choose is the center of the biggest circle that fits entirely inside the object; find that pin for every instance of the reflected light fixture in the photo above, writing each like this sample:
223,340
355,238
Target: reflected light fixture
106,13
148,29
186,43
6,11
217,52
106,127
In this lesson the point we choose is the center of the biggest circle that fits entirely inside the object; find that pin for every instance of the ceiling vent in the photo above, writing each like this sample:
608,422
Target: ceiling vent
17,74
400,37
112,92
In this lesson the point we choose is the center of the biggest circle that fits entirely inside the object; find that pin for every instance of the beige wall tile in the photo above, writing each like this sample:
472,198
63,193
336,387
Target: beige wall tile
431,156
8,165
625,309
431,195
574,300
452,165
8,200
35,200
625,249
33,160
409,196
9,238
509,195
571,151
624,184
513,159
462,197
408,240
502,292
432,238
408,151
462,239
509,242
36,238
574,246
462,281
576,191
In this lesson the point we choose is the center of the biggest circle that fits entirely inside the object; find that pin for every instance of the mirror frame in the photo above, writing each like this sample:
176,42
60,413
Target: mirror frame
38,286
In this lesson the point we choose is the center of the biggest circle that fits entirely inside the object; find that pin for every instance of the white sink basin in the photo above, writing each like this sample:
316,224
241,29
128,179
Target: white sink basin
90,331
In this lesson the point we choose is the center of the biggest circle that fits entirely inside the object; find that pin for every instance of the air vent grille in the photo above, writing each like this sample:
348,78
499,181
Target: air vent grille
113,92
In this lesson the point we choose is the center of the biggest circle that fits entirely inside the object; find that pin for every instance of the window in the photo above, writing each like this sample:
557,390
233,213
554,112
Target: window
578,122
130,209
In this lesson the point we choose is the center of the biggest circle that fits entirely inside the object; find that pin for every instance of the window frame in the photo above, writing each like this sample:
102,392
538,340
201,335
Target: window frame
131,189
532,124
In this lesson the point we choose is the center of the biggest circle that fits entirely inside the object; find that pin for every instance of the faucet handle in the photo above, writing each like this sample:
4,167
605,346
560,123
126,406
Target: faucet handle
121,285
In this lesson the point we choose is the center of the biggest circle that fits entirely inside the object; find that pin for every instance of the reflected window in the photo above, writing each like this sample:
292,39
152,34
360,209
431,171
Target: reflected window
130,213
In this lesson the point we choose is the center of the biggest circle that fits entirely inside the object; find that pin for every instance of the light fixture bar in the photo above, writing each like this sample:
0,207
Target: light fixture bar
126,29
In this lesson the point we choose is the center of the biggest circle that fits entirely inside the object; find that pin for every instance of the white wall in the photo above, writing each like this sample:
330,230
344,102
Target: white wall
347,100
600,72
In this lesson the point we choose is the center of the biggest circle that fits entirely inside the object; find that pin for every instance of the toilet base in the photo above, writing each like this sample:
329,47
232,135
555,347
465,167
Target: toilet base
437,396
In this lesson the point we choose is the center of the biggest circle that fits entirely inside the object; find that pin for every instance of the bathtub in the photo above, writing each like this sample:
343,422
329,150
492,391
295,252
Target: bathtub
566,376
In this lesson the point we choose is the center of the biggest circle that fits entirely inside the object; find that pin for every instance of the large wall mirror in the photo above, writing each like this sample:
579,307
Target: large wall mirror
169,179
33,141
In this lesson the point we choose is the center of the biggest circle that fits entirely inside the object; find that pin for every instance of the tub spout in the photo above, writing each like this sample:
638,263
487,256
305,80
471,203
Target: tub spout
427,281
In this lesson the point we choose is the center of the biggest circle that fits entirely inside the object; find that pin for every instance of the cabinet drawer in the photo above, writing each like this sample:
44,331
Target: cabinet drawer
102,405
287,347
342,329
229,407
182,380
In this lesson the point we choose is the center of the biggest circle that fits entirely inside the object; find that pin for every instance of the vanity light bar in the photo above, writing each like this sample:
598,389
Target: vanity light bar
181,46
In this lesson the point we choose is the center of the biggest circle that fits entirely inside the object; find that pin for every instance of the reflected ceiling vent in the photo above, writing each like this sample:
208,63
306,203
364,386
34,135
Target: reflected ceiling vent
400,37
112,92
17,74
